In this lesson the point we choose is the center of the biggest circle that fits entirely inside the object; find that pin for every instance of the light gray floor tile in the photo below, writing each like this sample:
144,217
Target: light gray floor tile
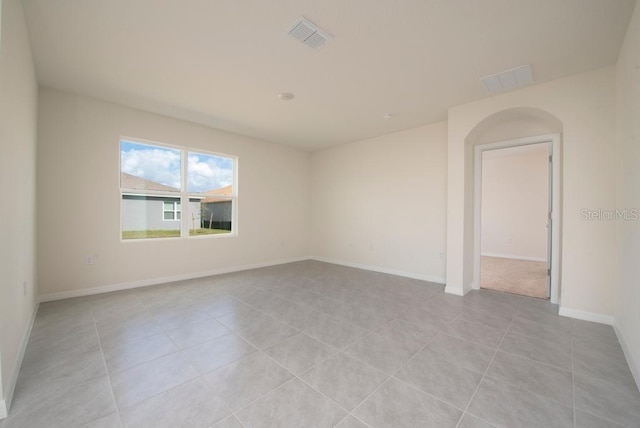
193,404
540,330
383,352
300,352
506,405
71,407
174,319
488,319
534,377
408,332
399,405
604,362
196,332
470,421
148,379
219,352
586,420
111,421
608,400
344,379
218,306
551,353
293,405
267,333
248,379
351,422
128,330
443,379
54,331
474,332
62,379
336,333
126,355
243,317
42,354
230,422
467,355
47,381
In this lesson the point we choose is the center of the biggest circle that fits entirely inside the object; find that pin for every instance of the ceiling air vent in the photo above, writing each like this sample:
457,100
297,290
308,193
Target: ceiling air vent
308,33
507,80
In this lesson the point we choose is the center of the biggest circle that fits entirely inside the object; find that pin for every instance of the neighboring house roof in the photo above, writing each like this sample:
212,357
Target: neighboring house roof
128,181
218,195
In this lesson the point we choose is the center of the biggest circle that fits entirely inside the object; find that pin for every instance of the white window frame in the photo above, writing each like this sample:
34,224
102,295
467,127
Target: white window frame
175,210
184,195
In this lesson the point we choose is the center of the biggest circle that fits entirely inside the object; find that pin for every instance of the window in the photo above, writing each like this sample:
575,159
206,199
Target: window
172,192
171,210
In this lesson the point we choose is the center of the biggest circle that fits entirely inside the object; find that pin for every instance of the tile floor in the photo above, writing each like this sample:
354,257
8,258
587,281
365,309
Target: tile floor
311,344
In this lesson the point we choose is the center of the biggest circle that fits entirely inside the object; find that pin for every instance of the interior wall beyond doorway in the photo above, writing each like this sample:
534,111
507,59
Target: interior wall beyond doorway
515,202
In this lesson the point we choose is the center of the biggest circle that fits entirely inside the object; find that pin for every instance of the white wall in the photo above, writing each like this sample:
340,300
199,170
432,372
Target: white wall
627,312
380,202
18,99
585,104
79,199
515,201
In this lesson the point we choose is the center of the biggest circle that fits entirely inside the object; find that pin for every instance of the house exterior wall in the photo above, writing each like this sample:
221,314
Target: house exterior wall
147,213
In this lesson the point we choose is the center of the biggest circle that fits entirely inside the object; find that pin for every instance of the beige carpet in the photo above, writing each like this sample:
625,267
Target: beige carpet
522,277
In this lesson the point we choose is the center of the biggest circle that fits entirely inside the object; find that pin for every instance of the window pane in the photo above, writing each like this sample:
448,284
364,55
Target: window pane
168,215
213,216
209,174
168,206
147,167
144,217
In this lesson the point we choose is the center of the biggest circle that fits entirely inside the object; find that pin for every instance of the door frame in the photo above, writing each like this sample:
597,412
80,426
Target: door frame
555,207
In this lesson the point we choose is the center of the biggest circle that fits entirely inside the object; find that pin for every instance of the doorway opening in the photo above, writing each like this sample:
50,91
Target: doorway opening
515,206
516,193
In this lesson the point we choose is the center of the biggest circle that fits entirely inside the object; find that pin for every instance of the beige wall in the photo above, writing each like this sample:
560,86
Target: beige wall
585,104
515,202
627,312
79,200
380,202
18,98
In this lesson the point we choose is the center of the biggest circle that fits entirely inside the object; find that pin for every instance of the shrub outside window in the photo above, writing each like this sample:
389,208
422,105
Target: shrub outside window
173,192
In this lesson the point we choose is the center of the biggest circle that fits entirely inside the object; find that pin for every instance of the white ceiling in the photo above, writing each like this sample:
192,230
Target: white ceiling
223,62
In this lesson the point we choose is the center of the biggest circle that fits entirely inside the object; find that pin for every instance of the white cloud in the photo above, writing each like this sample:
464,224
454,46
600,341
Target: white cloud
208,172
155,164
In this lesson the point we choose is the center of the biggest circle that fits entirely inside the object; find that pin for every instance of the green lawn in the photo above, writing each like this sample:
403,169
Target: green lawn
142,234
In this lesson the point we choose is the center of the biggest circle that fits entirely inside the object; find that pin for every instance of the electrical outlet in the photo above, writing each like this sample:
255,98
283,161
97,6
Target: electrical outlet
89,259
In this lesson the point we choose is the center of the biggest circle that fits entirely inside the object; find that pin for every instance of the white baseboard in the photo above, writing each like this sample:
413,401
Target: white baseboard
508,256
458,291
430,278
634,363
5,404
163,280
586,316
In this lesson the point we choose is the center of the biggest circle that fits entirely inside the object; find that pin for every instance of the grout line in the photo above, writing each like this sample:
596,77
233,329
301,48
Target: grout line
106,369
486,370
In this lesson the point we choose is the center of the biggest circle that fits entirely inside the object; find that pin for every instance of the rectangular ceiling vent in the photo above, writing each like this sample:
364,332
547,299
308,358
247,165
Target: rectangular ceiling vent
309,34
507,80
